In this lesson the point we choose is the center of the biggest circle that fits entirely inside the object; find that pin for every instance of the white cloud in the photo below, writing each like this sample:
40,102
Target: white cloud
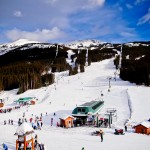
18,13
43,35
76,4
129,6
96,2
145,18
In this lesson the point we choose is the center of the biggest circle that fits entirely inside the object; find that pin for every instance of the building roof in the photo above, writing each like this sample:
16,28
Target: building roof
25,99
91,107
145,124
24,129
65,116
88,104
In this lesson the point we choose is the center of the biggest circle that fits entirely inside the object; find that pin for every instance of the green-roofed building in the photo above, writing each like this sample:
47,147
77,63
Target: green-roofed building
88,108
24,100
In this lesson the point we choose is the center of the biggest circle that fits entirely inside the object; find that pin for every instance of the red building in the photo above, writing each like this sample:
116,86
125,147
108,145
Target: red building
143,128
66,121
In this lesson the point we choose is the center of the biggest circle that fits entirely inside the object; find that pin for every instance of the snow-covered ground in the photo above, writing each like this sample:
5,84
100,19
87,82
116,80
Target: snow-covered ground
132,103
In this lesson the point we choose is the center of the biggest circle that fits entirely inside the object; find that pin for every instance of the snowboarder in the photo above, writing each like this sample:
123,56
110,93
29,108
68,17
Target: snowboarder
125,128
5,147
101,135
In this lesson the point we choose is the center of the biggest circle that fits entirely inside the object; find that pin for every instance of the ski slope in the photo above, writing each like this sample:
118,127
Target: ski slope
132,103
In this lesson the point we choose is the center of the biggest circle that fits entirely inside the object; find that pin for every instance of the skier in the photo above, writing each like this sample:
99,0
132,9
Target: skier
25,120
4,122
101,135
82,148
58,124
36,141
41,123
125,128
11,122
5,147
51,121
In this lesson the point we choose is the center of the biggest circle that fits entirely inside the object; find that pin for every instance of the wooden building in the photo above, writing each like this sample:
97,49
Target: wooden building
1,102
66,121
24,133
143,127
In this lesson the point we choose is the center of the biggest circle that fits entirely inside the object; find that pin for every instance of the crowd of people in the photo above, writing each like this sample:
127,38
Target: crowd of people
5,110
10,121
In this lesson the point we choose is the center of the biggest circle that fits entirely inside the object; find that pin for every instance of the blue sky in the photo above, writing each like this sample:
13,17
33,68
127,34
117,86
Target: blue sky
68,20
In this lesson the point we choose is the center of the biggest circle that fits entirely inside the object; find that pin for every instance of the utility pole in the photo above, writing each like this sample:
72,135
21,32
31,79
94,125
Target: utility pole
110,119
120,59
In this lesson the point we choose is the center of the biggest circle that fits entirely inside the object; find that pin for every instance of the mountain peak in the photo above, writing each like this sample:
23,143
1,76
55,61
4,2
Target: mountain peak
83,43
22,42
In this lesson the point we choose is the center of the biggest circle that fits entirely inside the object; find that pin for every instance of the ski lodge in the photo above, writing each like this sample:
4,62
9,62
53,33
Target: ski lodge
87,111
26,100
88,108
143,127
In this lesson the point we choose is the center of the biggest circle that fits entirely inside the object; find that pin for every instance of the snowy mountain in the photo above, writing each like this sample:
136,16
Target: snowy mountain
24,44
136,44
84,44
4,48
21,42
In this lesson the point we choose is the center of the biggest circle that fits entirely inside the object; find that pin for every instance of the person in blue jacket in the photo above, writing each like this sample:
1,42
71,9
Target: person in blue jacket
5,147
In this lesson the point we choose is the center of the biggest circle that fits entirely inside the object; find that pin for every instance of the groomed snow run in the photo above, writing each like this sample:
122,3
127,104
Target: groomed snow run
132,103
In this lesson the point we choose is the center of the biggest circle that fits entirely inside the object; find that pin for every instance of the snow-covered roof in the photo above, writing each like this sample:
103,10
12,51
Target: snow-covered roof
65,116
145,124
23,129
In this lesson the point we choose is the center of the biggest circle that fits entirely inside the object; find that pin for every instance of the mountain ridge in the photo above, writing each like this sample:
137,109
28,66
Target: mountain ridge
24,44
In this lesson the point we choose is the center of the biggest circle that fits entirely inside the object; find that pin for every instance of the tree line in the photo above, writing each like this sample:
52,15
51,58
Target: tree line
135,65
35,67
